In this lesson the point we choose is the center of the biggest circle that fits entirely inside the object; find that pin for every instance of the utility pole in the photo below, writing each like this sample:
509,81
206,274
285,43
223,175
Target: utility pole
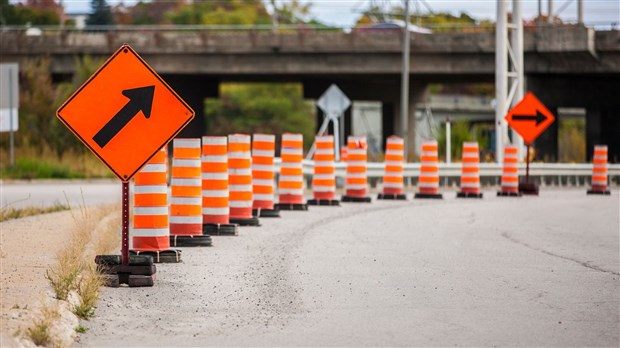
549,11
580,11
404,89
274,17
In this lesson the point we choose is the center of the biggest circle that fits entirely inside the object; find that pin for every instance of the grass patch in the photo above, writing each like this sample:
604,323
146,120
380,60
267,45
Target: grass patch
81,329
8,213
40,330
30,168
88,291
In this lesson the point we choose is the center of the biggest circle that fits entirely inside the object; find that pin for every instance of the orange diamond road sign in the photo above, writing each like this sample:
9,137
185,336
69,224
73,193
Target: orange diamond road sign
125,113
529,118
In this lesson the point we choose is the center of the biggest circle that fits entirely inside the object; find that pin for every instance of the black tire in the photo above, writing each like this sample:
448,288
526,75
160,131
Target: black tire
229,230
190,241
164,256
140,281
270,213
112,260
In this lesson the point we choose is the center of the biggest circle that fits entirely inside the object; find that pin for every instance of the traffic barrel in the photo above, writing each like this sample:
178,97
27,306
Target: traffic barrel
599,171
186,195
428,182
240,180
356,180
343,154
291,179
263,152
393,175
324,177
214,171
151,230
510,173
470,171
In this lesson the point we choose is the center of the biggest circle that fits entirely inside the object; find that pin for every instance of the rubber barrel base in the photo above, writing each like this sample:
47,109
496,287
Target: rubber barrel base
253,221
508,194
598,192
292,206
268,213
528,189
356,199
191,241
139,272
400,197
325,202
468,195
161,256
220,229
428,195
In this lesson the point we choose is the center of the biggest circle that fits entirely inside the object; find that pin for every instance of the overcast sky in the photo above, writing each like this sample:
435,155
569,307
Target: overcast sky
345,12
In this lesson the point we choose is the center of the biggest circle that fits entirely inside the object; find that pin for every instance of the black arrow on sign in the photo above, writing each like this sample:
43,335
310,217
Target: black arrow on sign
539,117
140,99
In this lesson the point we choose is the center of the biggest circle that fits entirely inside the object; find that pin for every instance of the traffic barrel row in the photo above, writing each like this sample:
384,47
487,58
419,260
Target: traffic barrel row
599,171
240,180
429,172
393,176
470,171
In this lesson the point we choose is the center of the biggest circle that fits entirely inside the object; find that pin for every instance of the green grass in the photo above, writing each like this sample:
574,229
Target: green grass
81,329
8,213
28,168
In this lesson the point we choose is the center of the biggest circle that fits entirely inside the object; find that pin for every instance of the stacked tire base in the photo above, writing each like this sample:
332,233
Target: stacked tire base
161,256
428,195
191,241
508,194
220,229
324,202
253,221
400,197
469,194
268,213
139,272
353,199
528,188
598,192
291,206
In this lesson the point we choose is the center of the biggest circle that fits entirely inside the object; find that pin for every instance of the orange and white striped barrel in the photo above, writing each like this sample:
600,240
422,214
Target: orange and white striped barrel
428,182
215,208
510,172
263,152
599,170
324,178
470,171
240,178
151,230
343,154
356,180
393,175
186,189
291,180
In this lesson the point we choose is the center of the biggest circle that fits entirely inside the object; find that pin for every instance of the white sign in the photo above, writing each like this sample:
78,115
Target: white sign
9,97
333,102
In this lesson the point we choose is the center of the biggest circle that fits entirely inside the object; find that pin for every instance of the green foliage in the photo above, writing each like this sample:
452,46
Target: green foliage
30,168
244,12
462,132
81,329
9,213
572,140
260,107
101,13
20,14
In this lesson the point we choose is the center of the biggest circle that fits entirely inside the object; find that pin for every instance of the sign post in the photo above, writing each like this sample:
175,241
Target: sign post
124,113
529,118
333,103
9,103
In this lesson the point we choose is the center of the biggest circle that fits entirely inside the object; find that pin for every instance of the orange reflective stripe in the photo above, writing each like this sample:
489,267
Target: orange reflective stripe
238,147
150,221
262,189
468,179
429,169
429,148
259,174
214,185
394,169
186,152
159,158
324,158
240,180
186,191
264,145
291,158
394,179
429,158
356,181
215,150
150,200
291,184
264,160
292,143
240,195
185,172
470,169
211,167
510,178
356,169
323,182
155,178
215,202
291,171
239,163
185,210
429,179
323,170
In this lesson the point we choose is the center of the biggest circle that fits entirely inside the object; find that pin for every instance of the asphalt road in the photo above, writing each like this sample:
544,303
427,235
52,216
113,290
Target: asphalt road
44,193
531,271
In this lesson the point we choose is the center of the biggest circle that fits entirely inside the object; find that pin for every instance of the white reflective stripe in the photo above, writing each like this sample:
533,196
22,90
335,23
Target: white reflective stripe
324,138
470,165
291,165
429,164
150,232
263,168
596,165
510,184
428,184
239,155
260,182
208,140
265,137
394,152
398,141
356,175
186,182
292,178
293,137
470,155
470,175
323,164
240,171
176,219
214,176
324,151
394,163
599,157
185,162
292,151
215,159
214,193
240,188
154,168
356,138
510,156
186,143
186,200
356,186
150,211
429,153
356,163
393,184
263,153
324,177
599,182
357,151
138,189
263,197
470,184
429,143
215,211
240,204
291,192
511,165
239,138
321,188
428,175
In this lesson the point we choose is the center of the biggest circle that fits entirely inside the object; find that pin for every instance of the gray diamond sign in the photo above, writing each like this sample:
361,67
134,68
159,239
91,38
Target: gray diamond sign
333,102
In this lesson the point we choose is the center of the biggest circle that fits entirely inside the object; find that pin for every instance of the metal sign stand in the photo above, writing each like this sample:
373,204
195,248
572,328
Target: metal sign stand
125,225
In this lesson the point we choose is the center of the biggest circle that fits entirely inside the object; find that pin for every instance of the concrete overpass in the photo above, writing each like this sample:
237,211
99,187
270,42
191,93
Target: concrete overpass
565,66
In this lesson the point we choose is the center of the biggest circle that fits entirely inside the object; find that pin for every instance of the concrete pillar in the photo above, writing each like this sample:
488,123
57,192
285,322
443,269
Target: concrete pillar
388,114
417,91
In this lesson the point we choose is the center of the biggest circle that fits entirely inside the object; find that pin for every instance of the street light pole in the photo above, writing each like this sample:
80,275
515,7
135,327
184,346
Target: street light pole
404,90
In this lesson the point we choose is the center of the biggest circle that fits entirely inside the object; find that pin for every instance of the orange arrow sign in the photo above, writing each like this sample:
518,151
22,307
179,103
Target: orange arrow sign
529,118
125,113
